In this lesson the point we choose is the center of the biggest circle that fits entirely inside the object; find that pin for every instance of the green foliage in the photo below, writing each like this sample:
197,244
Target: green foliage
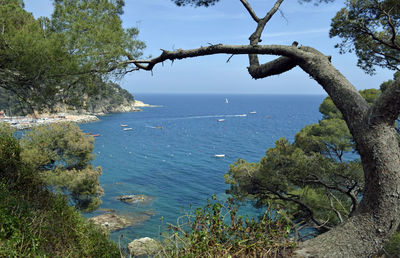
311,187
106,97
13,171
41,224
217,230
37,223
392,248
9,152
93,31
30,56
330,137
10,103
42,59
100,97
62,154
385,85
310,178
370,29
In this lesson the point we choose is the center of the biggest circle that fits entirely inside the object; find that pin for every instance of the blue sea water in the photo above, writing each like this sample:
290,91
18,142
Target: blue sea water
176,164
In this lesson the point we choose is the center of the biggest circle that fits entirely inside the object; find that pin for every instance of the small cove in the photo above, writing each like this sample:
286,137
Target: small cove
169,154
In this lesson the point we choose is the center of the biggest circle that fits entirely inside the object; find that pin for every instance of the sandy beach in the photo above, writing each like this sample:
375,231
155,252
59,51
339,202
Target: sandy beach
24,122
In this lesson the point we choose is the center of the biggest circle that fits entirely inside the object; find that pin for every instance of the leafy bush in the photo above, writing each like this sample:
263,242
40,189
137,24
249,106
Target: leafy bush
35,222
216,230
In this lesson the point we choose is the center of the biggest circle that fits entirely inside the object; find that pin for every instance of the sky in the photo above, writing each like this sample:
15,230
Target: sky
163,25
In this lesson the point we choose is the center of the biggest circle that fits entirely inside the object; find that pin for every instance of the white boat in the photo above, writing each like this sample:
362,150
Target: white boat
127,129
226,101
221,120
242,115
219,155
252,112
123,125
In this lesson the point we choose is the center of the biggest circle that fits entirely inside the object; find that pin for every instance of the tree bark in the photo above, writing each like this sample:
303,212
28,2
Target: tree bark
378,214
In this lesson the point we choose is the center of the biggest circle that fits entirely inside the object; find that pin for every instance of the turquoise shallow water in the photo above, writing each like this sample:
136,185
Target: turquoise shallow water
175,165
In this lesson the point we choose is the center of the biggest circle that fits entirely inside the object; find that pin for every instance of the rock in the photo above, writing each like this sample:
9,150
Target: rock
139,103
144,247
112,222
135,198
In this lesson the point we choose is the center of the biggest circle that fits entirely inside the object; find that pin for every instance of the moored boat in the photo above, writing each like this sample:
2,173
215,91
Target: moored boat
219,155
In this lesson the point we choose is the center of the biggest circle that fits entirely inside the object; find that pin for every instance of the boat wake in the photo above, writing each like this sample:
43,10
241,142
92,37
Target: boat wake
211,116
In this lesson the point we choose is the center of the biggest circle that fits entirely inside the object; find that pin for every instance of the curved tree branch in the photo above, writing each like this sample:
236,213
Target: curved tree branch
280,50
275,67
352,105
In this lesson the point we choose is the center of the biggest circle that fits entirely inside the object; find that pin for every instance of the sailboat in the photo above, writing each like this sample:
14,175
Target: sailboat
226,101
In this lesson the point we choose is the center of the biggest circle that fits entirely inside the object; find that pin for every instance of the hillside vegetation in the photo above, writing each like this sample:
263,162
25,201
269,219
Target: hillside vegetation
106,97
36,222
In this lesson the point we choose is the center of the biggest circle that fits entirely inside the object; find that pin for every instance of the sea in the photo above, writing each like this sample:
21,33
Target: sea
170,153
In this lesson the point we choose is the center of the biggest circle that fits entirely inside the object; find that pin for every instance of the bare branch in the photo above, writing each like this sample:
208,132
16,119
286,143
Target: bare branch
336,188
289,51
340,203
250,10
305,207
352,105
255,38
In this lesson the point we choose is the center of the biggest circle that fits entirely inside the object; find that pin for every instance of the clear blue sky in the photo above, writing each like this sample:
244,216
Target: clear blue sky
163,25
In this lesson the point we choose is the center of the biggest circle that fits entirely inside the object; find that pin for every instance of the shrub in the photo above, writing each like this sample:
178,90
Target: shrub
35,222
216,230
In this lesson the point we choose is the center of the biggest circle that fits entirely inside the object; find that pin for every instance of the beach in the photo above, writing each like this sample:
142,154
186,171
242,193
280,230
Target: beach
24,122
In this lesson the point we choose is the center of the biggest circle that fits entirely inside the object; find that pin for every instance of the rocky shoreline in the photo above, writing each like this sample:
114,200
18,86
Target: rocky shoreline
24,122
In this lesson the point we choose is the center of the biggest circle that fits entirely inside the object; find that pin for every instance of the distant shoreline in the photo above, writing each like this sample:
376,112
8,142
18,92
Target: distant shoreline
29,121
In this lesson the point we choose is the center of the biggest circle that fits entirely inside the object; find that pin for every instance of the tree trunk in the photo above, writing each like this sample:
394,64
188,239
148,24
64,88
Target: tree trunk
378,215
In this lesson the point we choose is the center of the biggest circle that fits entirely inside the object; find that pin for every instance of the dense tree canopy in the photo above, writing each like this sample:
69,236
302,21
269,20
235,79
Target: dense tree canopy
370,28
61,153
58,156
36,222
318,179
40,59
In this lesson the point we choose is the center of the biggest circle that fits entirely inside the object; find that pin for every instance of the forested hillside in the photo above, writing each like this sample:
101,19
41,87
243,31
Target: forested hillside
106,97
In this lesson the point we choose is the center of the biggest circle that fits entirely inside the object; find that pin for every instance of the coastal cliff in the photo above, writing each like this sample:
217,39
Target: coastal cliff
106,98
110,98
101,107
